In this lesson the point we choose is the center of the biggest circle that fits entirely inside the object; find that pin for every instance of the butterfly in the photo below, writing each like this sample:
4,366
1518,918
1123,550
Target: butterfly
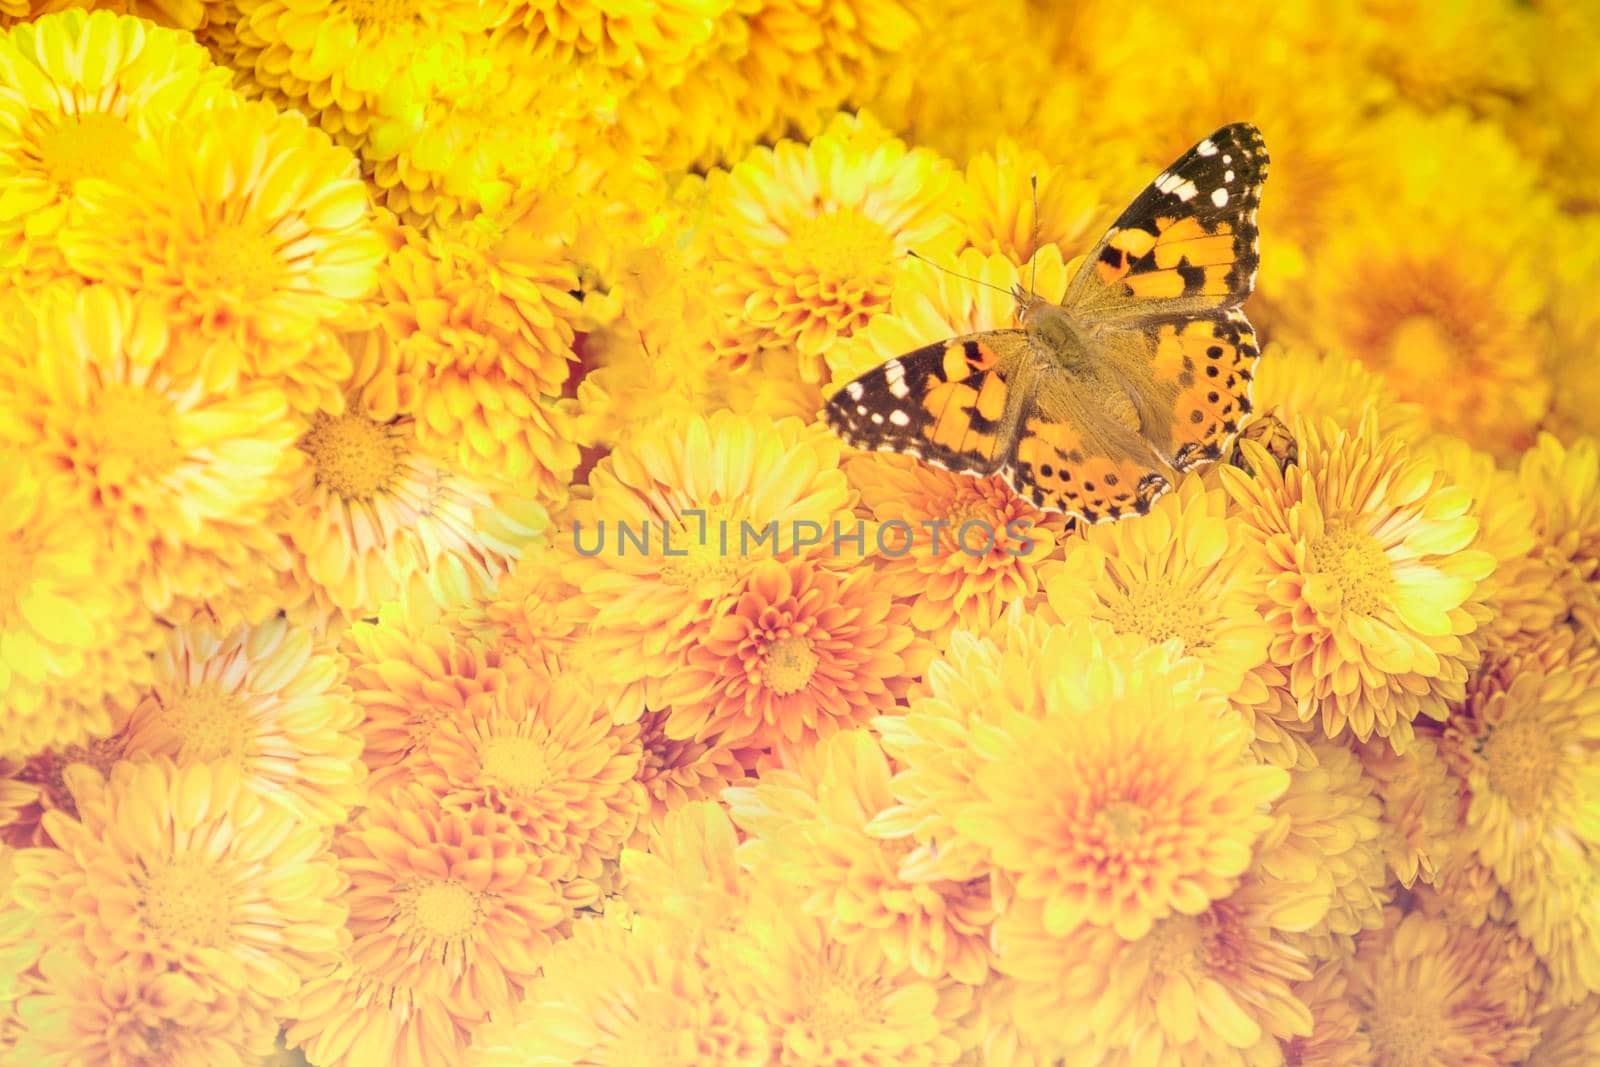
1093,407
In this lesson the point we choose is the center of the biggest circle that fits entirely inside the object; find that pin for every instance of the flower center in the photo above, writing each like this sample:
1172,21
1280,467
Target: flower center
706,560
1121,821
789,666
210,721
187,904
133,433
84,146
840,1007
1405,1029
841,245
353,455
517,762
1159,611
1357,564
1520,759
445,910
240,259
1176,944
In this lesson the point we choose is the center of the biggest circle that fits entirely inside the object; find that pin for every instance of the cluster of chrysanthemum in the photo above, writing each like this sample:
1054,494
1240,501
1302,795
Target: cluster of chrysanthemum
409,653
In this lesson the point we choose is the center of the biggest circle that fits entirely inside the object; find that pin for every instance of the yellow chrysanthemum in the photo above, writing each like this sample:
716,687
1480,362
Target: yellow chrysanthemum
615,34
688,883
1183,571
1369,577
1323,861
827,1002
335,55
801,651
1564,483
263,699
450,914
1134,797
609,997
185,876
173,467
1479,55
1215,987
1420,807
1524,742
688,510
547,757
1430,991
440,146
485,308
254,237
1297,382
72,635
78,93
969,692
371,508
807,826
1453,316
1336,1038
997,204
809,235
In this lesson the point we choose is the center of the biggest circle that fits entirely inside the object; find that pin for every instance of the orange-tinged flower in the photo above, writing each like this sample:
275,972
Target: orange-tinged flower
688,510
1213,987
679,772
548,757
78,93
807,825
1564,483
1323,861
801,651
688,882
265,699
39,785
1371,575
1421,807
1431,991
1132,798
809,234
1336,1038
610,996
1567,1035
188,875
450,914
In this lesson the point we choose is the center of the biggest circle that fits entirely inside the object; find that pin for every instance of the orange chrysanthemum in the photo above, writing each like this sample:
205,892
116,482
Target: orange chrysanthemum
679,772
450,914
548,757
801,652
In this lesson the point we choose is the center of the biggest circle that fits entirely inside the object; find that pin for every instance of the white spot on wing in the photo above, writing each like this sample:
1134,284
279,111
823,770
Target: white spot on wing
1167,182
899,418
895,373
854,389
877,419
1206,148
1185,192
861,409
1228,177
1219,196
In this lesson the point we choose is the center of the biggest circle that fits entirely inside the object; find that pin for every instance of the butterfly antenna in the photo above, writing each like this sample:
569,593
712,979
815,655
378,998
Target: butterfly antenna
1033,242
958,274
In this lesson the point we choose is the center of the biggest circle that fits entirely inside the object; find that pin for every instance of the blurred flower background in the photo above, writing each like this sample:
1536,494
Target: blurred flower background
325,323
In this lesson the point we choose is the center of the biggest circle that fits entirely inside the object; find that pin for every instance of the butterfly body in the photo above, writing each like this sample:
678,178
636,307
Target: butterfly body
1093,406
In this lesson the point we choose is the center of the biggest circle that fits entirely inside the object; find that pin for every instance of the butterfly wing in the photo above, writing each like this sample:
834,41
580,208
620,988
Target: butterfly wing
1073,458
951,404
1187,243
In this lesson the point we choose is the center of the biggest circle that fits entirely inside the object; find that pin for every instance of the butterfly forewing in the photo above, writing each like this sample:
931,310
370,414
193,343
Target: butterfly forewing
1188,242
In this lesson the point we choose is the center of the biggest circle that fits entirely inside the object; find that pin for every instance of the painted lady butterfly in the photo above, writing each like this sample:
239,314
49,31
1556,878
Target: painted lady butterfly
1092,407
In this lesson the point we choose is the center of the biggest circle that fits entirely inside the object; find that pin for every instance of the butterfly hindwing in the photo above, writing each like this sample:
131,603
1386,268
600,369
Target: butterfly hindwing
944,403
1188,241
